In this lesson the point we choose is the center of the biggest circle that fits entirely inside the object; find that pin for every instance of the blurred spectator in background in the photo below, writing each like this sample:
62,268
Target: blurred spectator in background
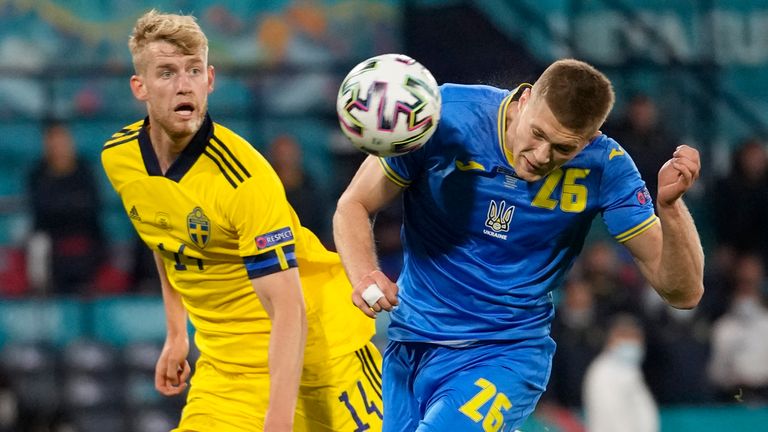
143,270
579,331
65,208
616,284
286,156
739,361
740,203
645,137
616,398
9,409
677,351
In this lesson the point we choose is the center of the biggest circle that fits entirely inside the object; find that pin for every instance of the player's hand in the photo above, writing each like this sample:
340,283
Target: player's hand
678,174
172,368
388,288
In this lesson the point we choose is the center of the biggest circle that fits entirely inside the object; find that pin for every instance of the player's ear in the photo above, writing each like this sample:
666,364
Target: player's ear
138,88
524,98
211,78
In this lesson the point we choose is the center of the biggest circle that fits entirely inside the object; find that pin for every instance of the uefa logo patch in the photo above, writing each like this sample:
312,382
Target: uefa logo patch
274,238
643,196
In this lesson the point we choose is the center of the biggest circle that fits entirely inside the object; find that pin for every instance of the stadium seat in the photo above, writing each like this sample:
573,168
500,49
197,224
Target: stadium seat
140,359
100,421
153,420
32,372
90,381
120,321
53,322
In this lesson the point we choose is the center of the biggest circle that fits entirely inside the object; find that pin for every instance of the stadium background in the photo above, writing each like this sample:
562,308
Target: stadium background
88,357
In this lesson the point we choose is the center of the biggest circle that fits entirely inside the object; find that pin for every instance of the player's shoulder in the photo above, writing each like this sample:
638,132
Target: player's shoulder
603,150
124,135
238,156
469,93
231,146
121,150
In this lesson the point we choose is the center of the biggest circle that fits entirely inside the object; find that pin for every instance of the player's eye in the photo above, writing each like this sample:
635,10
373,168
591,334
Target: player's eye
195,71
166,74
564,149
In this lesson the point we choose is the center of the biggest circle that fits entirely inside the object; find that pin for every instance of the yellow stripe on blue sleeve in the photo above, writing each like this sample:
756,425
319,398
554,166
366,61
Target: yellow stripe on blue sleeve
392,175
638,229
272,261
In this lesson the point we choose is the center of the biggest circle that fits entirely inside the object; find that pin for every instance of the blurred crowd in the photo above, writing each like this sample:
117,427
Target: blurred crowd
715,353
608,325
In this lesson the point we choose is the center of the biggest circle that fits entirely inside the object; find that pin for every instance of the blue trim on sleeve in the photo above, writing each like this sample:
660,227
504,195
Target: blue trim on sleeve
269,262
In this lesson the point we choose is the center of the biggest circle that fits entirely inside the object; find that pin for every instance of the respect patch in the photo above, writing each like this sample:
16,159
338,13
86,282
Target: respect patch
274,238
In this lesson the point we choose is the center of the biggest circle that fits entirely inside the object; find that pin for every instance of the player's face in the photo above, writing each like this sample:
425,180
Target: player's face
175,88
538,142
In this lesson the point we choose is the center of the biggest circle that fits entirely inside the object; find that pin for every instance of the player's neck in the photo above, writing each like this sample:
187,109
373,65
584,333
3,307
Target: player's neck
167,150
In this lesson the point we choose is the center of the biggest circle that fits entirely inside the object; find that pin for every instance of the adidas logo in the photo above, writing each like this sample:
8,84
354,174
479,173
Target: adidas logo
134,214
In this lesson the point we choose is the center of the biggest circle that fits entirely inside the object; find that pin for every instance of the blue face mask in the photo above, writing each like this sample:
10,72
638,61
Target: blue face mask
631,353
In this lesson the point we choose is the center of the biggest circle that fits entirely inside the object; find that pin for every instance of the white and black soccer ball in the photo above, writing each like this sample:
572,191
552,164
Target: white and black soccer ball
388,105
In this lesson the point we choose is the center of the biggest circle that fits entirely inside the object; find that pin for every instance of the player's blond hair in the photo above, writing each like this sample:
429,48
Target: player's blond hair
180,31
580,96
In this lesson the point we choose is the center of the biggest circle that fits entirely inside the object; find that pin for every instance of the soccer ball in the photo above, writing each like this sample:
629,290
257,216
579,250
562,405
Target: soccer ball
388,105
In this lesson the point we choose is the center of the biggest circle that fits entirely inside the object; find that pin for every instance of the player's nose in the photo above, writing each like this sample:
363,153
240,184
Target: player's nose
542,154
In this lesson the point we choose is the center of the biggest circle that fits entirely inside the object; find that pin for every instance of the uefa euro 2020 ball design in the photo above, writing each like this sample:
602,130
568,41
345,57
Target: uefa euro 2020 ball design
388,105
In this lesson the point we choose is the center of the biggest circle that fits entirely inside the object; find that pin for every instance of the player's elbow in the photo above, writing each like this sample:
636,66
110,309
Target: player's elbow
687,298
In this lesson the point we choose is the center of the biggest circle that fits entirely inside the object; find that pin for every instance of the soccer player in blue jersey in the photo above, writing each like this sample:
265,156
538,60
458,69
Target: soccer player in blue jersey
496,208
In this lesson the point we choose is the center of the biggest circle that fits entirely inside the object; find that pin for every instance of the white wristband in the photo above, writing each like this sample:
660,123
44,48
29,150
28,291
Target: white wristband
372,294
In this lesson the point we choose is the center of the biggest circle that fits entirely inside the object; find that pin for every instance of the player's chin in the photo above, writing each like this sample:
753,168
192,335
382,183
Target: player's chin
529,176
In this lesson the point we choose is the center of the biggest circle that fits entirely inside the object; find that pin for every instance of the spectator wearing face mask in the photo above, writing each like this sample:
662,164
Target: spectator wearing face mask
579,330
739,361
616,397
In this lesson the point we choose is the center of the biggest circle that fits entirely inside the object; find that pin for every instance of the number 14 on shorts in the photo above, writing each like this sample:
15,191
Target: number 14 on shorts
370,408
492,417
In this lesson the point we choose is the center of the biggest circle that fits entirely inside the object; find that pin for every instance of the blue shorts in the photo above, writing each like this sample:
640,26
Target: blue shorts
484,387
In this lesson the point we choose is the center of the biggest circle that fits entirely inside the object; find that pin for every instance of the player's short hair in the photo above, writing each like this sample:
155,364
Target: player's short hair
580,96
181,31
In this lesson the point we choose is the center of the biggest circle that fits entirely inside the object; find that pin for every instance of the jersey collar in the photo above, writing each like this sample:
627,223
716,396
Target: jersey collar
186,159
501,121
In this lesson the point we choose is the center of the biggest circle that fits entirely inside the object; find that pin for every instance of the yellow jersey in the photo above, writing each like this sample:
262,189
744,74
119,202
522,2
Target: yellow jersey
219,217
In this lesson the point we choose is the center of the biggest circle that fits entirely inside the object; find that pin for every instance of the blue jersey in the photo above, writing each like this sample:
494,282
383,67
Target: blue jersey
483,249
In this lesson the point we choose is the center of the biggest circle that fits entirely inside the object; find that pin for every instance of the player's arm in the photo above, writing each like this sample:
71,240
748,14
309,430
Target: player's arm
368,192
280,294
670,255
172,368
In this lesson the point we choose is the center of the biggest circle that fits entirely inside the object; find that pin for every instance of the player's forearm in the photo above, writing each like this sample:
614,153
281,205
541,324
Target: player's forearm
286,355
175,313
353,236
681,269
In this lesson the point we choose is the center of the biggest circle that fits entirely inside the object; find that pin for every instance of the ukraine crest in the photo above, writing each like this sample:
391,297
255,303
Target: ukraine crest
198,227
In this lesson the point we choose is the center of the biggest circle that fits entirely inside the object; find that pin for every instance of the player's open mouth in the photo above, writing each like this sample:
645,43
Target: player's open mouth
184,109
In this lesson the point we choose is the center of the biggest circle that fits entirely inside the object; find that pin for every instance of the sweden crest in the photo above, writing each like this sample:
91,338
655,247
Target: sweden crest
198,227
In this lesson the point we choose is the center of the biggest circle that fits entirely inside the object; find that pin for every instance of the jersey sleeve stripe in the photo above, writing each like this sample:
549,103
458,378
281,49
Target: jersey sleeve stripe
118,141
270,262
232,156
638,229
392,175
226,162
226,176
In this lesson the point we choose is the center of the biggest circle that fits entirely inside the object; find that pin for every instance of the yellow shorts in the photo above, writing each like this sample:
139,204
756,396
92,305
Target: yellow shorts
340,394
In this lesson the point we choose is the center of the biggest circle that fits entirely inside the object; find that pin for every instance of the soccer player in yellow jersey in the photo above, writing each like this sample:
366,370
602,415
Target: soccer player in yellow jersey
281,348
